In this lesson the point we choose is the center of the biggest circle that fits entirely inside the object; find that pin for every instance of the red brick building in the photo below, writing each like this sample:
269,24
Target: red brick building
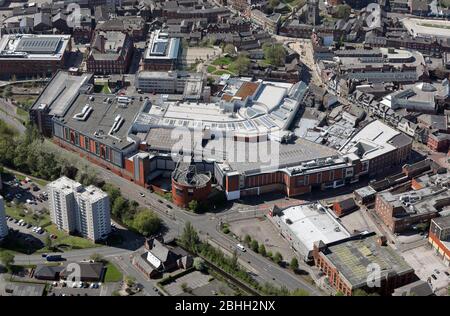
110,53
439,238
188,185
354,264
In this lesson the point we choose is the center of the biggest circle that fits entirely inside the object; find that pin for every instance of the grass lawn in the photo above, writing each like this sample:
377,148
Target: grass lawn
211,69
28,216
221,72
68,242
26,100
112,273
222,61
106,89
21,177
23,114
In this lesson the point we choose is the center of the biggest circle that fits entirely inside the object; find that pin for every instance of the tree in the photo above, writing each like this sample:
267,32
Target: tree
277,258
273,3
96,257
294,264
254,245
339,293
300,292
262,250
7,260
147,223
360,292
130,281
242,64
189,238
193,206
247,240
229,49
274,54
119,207
48,242
199,264
342,11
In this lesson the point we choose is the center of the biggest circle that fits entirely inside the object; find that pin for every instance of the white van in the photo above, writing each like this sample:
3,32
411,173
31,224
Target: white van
240,247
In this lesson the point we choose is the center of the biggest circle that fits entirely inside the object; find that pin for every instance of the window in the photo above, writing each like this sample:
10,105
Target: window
349,172
86,144
97,149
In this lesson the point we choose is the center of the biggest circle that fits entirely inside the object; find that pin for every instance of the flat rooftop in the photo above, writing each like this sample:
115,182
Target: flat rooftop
161,46
104,117
352,259
33,47
65,185
373,140
60,92
427,28
310,224
248,158
417,202
252,109
442,222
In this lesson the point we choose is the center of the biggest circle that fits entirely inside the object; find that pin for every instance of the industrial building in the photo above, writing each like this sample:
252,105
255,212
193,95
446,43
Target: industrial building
27,55
305,224
74,208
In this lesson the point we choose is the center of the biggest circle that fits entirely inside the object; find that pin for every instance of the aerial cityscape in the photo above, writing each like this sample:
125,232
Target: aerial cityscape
224,148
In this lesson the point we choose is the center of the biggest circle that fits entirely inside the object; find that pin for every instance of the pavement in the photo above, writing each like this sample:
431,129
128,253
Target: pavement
174,219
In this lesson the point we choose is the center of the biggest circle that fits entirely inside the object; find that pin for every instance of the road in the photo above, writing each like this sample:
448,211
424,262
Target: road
74,255
174,219
8,116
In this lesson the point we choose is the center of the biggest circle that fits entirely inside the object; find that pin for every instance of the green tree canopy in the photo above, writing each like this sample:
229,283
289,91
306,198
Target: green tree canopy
274,54
262,250
254,245
147,223
7,260
294,264
189,238
229,49
342,11
242,64
277,258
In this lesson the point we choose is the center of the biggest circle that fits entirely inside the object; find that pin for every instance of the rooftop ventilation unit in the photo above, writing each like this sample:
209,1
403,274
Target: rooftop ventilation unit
118,121
83,115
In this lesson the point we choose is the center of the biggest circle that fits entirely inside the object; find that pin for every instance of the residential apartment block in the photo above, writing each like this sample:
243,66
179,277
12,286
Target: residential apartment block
74,208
